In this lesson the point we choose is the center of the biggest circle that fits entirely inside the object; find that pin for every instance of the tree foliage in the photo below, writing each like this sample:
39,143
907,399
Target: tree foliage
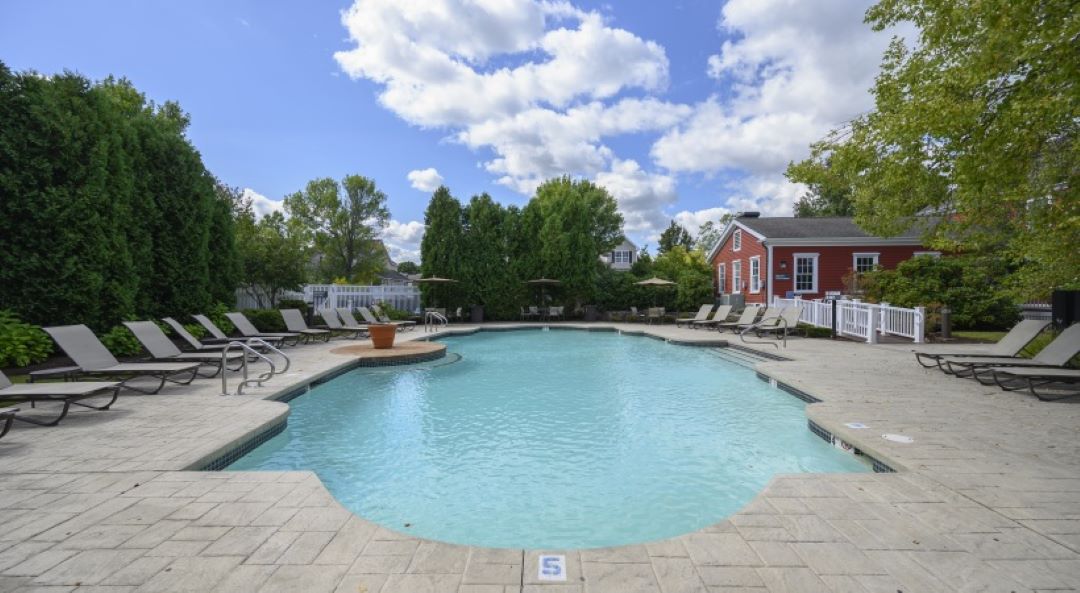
971,286
827,194
691,273
408,267
977,120
580,221
344,220
673,236
273,253
106,209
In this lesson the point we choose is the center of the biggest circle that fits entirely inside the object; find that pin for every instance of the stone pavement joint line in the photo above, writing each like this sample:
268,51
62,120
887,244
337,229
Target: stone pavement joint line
987,498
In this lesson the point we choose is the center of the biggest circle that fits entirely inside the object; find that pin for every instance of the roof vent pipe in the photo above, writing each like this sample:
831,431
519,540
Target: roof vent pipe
748,215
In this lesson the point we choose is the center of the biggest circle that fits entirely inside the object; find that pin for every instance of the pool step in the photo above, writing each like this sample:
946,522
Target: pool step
741,356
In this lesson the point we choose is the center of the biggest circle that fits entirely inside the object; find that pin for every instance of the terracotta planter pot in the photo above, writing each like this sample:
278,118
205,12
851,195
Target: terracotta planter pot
382,336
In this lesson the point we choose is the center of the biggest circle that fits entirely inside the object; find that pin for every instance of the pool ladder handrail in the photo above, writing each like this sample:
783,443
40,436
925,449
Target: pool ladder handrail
432,319
779,321
253,354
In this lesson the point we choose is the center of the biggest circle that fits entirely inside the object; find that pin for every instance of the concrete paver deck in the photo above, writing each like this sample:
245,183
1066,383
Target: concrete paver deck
987,499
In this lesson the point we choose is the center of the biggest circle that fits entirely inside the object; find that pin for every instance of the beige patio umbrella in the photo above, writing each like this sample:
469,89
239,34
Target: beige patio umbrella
543,283
654,281
435,280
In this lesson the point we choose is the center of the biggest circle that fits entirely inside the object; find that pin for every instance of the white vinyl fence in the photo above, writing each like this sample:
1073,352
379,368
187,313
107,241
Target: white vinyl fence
864,321
406,298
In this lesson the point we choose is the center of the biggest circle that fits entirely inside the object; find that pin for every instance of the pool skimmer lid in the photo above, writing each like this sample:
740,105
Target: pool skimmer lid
897,438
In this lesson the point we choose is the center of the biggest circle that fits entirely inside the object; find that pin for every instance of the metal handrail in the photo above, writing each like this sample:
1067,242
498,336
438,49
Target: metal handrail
755,326
432,320
255,355
266,345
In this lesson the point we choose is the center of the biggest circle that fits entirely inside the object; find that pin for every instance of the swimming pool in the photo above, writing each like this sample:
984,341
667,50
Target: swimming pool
549,439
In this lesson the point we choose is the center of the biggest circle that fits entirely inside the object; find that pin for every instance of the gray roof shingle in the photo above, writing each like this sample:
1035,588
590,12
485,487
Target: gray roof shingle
789,227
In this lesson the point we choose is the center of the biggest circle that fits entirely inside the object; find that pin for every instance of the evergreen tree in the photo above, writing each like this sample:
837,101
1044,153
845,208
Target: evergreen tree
674,235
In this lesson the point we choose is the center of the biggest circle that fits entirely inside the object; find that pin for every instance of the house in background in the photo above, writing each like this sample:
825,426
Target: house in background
622,257
758,257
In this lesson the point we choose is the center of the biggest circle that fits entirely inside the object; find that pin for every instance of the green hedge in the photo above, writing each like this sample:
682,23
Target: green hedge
107,211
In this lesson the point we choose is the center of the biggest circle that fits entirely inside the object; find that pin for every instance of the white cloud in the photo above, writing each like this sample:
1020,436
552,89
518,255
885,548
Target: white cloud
537,87
536,82
692,220
796,70
261,204
641,196
402,240
425,179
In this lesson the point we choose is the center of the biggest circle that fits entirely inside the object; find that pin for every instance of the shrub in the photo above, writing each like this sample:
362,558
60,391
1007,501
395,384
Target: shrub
395,314
972,288
196,330
265,320
216,313
121,342
21,344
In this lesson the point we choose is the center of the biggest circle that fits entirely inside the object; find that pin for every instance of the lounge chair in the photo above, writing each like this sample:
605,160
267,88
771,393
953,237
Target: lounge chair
162,349
294,322
214,345
788,319
747,317
1009,346
1056,354
7,416
656,313
720,316
635,315
93,358
248,330
349,320
404,324
68,393
702,315
334,323
1015,378
371,320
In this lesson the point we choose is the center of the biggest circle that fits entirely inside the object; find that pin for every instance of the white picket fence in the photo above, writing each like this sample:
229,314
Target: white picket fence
405,298
864,321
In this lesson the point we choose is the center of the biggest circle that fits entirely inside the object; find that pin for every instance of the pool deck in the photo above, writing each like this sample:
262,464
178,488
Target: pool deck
986,498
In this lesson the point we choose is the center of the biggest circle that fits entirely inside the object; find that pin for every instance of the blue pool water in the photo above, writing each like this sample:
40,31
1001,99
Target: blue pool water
549,439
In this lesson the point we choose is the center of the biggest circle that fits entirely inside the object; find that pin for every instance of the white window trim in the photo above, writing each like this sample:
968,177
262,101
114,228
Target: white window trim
927,254
736,240
795,272
721,280
755,279
616,259
736,277
855,259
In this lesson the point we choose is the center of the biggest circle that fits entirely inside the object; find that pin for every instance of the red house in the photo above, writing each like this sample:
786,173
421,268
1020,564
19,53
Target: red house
807,257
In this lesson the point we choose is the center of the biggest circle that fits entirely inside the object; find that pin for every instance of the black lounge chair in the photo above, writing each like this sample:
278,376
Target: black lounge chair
720,316
213,344
294,322
334,323
1016,378
1056,354
405,324
703,313
162,349
1009,346
348,319
248,330
371,320
93,358
67,393
7,415
746,318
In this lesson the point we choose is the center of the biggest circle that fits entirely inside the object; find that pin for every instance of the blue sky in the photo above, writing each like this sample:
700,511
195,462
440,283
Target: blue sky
683,110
